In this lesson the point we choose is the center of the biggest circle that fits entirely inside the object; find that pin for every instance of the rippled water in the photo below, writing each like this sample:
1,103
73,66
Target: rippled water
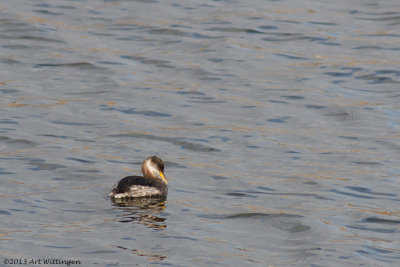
278,122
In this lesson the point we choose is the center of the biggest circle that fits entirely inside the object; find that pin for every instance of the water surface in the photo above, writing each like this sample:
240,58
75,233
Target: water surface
278,122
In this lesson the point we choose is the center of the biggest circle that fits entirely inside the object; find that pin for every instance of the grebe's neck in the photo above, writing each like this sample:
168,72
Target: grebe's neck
148,169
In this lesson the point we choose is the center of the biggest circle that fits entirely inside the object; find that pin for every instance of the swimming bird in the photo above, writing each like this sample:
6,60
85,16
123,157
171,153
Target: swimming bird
152,184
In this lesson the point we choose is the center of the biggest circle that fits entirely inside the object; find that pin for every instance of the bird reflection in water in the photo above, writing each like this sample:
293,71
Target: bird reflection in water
151,257
143,210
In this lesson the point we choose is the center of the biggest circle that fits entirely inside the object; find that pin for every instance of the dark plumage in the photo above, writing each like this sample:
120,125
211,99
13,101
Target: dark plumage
152,183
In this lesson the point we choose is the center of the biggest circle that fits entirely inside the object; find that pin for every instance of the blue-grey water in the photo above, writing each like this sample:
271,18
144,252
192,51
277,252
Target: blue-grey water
278,122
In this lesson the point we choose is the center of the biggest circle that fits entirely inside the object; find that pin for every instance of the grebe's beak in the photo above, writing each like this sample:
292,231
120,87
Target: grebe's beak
163,177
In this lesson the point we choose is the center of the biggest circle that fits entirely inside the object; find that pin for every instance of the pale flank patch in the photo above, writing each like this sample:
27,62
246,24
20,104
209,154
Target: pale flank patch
137,191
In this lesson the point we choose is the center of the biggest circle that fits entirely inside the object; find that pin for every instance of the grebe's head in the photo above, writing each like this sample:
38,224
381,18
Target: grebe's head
153,167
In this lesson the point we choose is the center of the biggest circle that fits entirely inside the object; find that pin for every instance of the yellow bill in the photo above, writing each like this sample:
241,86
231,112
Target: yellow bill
163,177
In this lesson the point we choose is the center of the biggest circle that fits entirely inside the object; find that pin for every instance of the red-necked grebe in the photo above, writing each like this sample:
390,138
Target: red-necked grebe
152,184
